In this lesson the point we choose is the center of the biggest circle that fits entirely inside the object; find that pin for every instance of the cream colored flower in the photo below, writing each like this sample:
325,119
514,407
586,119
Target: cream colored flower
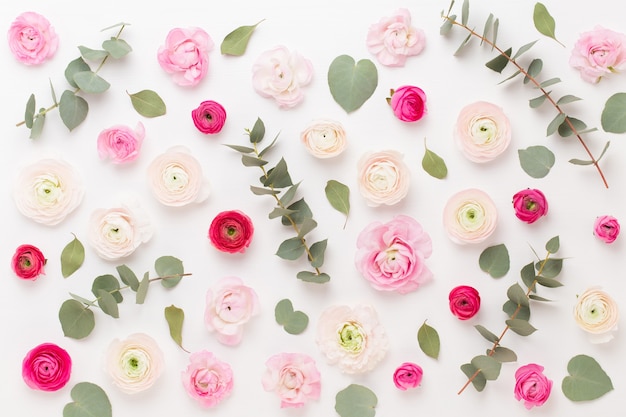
384,178
470,216
482,131
48,190
597,313
135,363
324,138
176,178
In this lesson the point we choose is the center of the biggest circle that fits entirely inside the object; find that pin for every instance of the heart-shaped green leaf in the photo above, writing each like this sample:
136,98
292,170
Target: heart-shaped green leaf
495,261
89,401
352,84
294,322
356,401
586,381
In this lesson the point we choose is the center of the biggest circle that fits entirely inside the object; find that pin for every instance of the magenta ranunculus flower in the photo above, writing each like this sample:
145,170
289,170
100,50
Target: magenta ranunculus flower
530,205
393,39
408,375
464,302
231,231
293,377
121,143
207,379
408,103
28,262
531,385
185,55
209,117
47,367
391,256
606,228
32,39
599,52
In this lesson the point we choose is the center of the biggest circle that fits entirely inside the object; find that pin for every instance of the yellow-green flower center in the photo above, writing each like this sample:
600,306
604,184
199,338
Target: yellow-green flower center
351,337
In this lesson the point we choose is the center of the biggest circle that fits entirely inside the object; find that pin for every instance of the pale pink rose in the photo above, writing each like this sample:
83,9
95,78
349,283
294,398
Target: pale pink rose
482,131
324,138
464,302
391,256
470,216
599,52
121,143
530,205
176,178
281,74
293,377
393,39
135,363
408,103
32,39
185,55
383,177
352,338
207,379
606,228
229,306
597,313
531,385
408,375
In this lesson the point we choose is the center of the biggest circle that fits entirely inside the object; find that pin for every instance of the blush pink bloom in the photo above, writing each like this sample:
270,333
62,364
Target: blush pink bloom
135,363
28,262
383,177
530,205
393,39
207,379
209,117
231,231
281,74
47,367
464,302
229,306
32,39
599,52
408,103
121,143
606,228
391,256
185,55
470,216
408,375
482,131
293,377
324,138
531,385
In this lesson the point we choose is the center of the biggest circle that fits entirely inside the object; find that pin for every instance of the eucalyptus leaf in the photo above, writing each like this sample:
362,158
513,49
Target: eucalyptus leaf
128,277
236,42
548,282
30,111
352,84
108,283
83,300
428,340
294,322
463,44
565,129
356,401
527,274
75,66
263,191
521,312
291,249
142,290
465,12
488,366
289,195
498,63
516,294
278,177
537,101
107,303
258,131
117,48
551,267
576,161
170,269
38,123
306,227
447,25
268,147
538,298
77,321
317,250
521,327
544,22
72,257
433,164
496,26
566,99
555,123
523,49
73,109
502,354
89,400
252,161
302,212
533,69
613,118
175,318
495,261
279,212
586,380
478,380
148,103
553,244
548,83
92,54
338,195
308,276
491,337
241,149
53,93
536,161
487,28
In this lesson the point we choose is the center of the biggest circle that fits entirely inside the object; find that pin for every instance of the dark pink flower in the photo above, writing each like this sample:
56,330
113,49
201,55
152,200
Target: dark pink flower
408,375
28,262
47,367
209,117
408,103
231,231
531,385
606,228
530,205
464,302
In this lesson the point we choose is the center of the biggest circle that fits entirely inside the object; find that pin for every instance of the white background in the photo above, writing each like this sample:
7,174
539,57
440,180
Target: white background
319,30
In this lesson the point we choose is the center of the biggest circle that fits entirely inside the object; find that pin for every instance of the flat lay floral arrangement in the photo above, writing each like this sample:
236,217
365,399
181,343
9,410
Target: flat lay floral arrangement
304,206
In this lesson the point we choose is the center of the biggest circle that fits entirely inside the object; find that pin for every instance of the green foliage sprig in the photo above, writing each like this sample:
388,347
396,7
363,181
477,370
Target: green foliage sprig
78,320
297,214
563,123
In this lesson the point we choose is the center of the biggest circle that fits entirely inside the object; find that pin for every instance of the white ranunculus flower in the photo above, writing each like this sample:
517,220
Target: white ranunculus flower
482,131
597,313
470,216
176,178
324,138
48,190
384,178
135,363
116,232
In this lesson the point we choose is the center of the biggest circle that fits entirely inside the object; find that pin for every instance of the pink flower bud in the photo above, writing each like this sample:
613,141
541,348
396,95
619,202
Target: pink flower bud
408,375
606,228
408,103
530,205
464,302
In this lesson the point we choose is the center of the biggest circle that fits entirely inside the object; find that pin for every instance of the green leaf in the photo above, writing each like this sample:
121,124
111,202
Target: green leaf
502,354
338,195
533,69
495,261
613,118
308,276
433,164
428,340
499,62
548,282
551,268
142,290
306,227
72,257
109,284
553,244
549,82
565,130
258,131
236,42
268,147
538,298
294,322
38,123
604,150
586,380
128,277
241,149
263,191
291,249
516,294
567,99
302,212
118,48
524,49
73,109
527,274
447,25
491,337
536,161
351,85
576,161
537,101
489,367
77,321
555,123
278,177
107,303
521,327
148,103
83,300
175,318
521,312
170,269
53,93
122,24
463,44
279,212
356,401
479,380
75,66
544,22
92,54
89,400
465,12
30,111
317,253
252,161
496,25
488,27
510,77
289,195
90,82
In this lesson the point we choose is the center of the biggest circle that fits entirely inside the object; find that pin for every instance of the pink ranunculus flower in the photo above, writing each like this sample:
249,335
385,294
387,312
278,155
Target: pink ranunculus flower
185,55
231,231
32,39
599,52
47,367
28,262
383,177
293,377
530,205
135,363
229,306
464,302
209,117
324,138
391,256
207,379
393,39
280,74
408,375
532,386
482,131
120,143
470,216
408,103
606,228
